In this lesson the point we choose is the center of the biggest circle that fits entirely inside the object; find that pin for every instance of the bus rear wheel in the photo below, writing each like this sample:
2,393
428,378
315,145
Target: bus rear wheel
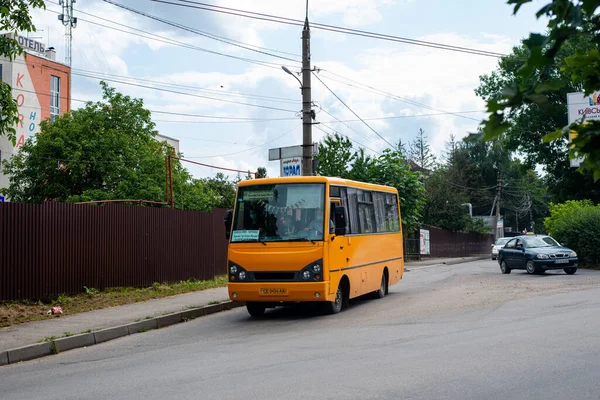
380,293
255,309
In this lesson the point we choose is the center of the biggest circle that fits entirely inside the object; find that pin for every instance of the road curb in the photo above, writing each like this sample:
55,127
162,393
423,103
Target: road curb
462,261
44,349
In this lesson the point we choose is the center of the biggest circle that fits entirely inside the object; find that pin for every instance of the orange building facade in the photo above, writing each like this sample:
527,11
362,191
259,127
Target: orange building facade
41,89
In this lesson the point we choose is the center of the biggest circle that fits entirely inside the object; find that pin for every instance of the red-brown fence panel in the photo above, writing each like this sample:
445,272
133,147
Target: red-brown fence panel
443,243
52,248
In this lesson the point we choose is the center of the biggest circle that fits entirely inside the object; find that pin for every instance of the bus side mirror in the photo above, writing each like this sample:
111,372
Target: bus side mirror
340,221
227,222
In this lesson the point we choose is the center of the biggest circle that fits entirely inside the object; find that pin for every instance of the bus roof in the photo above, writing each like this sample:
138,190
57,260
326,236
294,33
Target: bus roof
317,179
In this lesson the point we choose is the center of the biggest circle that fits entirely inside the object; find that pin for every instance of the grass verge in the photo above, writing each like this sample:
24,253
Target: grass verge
13,313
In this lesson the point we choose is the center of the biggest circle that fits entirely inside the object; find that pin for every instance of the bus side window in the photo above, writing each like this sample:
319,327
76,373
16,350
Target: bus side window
332,206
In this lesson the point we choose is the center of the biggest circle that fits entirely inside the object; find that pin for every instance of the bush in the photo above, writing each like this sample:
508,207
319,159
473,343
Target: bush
576,224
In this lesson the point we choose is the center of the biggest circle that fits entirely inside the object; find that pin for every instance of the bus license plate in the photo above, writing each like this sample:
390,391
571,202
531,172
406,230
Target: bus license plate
273,292
562,261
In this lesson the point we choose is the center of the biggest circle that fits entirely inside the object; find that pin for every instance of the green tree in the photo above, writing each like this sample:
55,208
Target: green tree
335,155
524,127
546,67
261,172
391,169
420,152
14,18
222,190
105,150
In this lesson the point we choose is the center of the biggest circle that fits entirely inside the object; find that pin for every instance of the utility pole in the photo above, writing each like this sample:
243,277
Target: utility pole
307,112
498,202
531,213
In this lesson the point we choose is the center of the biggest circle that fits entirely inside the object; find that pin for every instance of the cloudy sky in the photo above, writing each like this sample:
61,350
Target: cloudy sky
257,104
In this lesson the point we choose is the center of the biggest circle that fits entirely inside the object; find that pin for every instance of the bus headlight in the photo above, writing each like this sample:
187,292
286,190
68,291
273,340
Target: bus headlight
237,273
312,272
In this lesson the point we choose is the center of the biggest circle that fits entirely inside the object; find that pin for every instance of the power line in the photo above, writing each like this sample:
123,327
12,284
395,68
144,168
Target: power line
405,116
252,148
166,112
392,96
351,110
184,93
347,126
348,137
198,32
174,42
332,28
88,73
214,91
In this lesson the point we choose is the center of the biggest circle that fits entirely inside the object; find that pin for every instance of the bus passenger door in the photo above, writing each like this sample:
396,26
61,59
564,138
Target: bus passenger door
337,249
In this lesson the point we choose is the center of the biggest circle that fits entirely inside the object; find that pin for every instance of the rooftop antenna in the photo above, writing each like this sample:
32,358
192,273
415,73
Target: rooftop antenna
70,22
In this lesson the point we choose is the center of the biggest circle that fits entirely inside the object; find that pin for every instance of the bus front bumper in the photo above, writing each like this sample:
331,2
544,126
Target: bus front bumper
276,292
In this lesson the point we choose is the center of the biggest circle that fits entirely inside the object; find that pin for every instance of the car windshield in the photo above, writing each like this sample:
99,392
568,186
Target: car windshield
280,212
537,241
502,241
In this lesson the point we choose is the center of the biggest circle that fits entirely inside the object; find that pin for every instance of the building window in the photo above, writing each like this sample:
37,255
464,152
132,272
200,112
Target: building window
54,97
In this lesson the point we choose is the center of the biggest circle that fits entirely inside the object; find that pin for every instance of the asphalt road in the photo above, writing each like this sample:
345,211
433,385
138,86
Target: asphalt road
458,332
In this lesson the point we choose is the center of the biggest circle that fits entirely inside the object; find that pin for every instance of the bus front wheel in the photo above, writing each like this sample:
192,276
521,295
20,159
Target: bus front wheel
255,309
334,307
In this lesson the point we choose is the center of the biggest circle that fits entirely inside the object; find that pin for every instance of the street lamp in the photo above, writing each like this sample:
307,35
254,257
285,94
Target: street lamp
283,67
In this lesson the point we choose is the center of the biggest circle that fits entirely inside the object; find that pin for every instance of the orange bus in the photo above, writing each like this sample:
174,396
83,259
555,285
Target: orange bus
312,239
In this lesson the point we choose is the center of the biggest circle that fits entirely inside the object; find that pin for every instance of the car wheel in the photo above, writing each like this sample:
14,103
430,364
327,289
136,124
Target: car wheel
504,268
255,309
531,269
334,307
570,271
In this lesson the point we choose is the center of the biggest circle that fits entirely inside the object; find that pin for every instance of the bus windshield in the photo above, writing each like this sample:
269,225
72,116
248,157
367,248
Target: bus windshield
279,212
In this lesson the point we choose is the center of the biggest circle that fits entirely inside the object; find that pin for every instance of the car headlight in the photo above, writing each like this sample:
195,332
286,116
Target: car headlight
233,269
242,275
542,256
316,268
573,254
306,275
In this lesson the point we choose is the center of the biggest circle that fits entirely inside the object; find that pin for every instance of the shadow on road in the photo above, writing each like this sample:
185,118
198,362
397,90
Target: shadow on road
314,310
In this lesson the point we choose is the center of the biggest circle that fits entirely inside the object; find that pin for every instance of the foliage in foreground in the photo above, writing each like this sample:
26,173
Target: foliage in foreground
576,224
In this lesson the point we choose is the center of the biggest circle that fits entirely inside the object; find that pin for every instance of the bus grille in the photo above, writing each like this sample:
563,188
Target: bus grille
275,276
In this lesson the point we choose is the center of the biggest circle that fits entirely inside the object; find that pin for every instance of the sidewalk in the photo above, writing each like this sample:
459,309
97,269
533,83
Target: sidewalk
148,315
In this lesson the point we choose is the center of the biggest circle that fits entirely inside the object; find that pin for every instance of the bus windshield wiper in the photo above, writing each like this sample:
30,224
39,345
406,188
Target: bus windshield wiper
303,239
250,241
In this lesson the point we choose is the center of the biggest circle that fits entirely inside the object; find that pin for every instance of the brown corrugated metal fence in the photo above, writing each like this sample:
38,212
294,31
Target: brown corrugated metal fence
52,248
445,243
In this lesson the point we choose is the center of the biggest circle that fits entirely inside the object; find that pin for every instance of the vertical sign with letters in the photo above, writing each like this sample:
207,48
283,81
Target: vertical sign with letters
291,166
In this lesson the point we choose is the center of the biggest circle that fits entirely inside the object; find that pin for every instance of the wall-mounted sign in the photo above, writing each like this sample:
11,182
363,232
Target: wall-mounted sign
28,44
579,106
291,166
424,247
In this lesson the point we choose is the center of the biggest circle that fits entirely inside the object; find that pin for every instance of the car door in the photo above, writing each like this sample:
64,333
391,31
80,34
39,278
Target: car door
507,252
519,260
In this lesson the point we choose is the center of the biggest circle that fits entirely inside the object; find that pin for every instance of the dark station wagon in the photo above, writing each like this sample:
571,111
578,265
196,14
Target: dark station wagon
536,254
